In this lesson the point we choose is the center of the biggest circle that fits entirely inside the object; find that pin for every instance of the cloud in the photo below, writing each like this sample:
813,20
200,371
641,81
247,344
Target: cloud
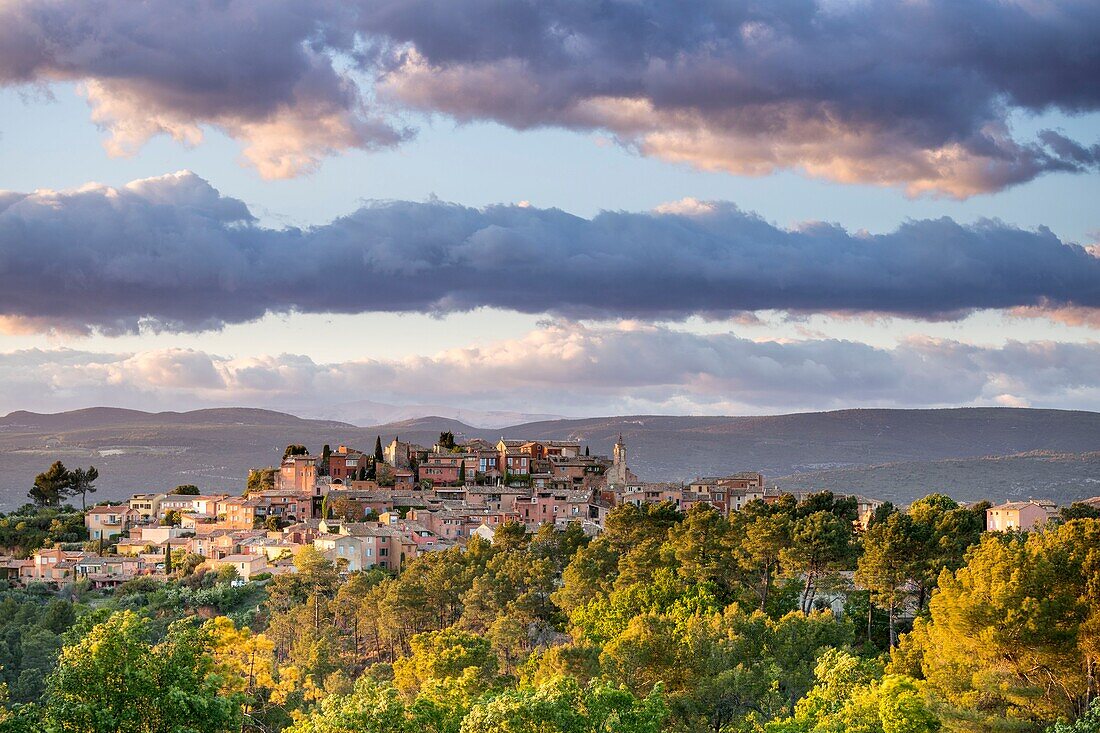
579,369
272,76
915,94
171,253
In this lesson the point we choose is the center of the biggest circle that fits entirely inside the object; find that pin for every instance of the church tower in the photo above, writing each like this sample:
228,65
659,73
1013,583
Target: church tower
619,474
619,458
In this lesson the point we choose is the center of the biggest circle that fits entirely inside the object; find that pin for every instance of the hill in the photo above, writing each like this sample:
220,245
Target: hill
879,452
1037,474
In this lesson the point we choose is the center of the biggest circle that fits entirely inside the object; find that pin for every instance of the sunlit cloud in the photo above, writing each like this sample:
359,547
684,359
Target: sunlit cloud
917,95
578,369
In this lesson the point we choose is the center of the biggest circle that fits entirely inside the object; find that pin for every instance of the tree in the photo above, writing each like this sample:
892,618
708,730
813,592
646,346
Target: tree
510,536
81,482
944,531
1087,723
1017,628
379,457
113,680
642,656
185,490
172,518
561,705
295,449
371,708
447,440
462,473
326,455
590,574
821,542
260,479
167,559
701,546
50,486
890,560
852,694
880,513
445,655
757,554
274,523
1078,510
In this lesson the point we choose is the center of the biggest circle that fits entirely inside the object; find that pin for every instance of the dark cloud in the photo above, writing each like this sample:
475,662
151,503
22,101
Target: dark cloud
570,367
918,94
912,93
172,253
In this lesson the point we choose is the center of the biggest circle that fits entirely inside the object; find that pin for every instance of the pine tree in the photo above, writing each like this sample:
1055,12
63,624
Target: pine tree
378,457
51,486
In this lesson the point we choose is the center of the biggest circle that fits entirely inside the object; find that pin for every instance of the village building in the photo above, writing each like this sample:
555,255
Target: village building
297,473
107,522
247,566
1018,515
147,505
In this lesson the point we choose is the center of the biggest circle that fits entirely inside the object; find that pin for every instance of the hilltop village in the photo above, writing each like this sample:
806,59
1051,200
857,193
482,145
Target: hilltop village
371,509
384,508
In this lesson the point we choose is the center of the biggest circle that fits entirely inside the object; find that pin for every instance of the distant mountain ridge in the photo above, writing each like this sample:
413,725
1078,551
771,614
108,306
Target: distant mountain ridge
368,412
213,448
101,416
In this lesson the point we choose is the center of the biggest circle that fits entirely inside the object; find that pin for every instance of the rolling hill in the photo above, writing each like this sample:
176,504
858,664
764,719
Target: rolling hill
896,454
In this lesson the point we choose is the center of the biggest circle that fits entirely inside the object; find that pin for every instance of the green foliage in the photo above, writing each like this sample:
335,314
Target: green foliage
30,528
1078,510
852,694
295,449
563,706
57,483
260,479
114,680
822,543
30,640
50,486
81,482
1087,723
891,558
448,654
185,490
1011,636
371,708
558,706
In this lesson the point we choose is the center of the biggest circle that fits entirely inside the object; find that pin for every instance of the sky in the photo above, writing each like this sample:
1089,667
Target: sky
571,208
